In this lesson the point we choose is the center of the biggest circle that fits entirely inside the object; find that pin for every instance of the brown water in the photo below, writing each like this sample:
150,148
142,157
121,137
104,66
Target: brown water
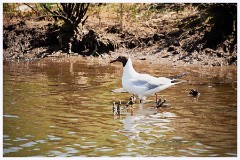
63,108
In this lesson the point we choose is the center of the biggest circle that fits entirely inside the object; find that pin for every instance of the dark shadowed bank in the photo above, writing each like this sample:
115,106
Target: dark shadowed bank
200,37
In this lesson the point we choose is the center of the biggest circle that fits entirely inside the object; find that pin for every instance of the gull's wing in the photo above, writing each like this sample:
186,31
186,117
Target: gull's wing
144,84
147,82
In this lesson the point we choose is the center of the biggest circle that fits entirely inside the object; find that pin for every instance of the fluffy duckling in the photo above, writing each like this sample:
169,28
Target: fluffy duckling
160,103
130,102
194,92
133,98
114,108
119,108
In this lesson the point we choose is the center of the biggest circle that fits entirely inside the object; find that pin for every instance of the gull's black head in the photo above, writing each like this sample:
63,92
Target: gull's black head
121,59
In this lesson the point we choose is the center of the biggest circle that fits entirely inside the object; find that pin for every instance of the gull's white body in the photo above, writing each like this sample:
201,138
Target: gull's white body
142,84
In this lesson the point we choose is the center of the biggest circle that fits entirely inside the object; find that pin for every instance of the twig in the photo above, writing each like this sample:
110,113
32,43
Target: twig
31,8
47,9
55,14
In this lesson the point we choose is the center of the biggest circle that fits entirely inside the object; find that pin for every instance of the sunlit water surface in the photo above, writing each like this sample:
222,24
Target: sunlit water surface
63,107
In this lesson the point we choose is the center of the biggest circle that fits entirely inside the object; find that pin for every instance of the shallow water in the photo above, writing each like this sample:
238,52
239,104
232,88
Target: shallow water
63,107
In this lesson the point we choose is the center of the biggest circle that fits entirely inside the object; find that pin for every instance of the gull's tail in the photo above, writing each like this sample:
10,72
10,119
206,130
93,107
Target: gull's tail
176,80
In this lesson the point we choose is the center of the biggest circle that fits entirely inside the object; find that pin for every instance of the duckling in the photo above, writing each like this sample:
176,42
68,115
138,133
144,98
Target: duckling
119,108
130,102
114,108
160,103
133,98
194,92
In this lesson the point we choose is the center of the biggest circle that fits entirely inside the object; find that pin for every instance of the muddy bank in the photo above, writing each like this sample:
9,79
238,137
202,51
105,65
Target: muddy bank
36,39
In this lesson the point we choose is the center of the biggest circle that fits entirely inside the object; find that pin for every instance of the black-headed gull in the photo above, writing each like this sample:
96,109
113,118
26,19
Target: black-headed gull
142,85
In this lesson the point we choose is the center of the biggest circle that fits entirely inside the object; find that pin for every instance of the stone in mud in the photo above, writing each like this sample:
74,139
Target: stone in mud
171,48
232,59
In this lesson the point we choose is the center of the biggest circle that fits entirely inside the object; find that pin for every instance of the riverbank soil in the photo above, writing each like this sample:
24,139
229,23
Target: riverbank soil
181,36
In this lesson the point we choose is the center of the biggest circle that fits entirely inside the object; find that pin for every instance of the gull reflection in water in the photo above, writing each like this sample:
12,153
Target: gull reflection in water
146,120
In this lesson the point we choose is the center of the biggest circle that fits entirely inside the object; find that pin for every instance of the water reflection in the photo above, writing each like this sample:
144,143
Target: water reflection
64,108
